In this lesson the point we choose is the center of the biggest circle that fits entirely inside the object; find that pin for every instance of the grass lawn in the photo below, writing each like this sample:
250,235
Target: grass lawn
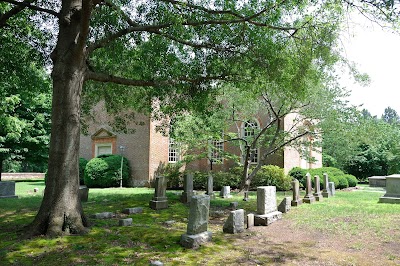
354,215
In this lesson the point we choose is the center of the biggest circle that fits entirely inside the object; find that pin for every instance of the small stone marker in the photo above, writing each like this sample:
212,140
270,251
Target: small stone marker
296,201
103,215
84,193
160,200
284,206
225,192
235,222
317,189
246,196
326,191
266,206
125,222
233,205
250,220
7,189
156,263
134,210
197,233
309,197
331,188
210,186
187,188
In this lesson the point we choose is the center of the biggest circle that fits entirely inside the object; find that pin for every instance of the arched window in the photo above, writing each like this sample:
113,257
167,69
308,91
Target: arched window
249,130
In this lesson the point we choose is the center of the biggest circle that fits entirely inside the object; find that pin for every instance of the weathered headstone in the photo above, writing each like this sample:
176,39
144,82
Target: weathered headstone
250,220
103,215
377,181
156,263
284,206
197,227
225,192
331,188
125,222
160,200
233,205
134,210
325,192
210,186
7,189
235,222
392,190
84,193
187,188
309,197
317,189
296,201
267,212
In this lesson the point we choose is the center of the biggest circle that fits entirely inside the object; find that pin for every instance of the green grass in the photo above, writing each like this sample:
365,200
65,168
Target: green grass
347,214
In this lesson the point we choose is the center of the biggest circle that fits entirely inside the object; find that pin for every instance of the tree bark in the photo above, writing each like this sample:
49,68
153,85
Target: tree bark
61,211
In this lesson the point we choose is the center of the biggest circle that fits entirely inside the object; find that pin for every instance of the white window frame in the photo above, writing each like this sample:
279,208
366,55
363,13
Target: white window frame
246,133
99,145
216,147
173,151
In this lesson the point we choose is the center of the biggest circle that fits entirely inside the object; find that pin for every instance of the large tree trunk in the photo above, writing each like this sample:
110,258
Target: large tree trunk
61,210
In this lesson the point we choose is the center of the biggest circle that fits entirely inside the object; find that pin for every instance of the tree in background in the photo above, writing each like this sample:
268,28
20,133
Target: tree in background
170,52
390,116
24,94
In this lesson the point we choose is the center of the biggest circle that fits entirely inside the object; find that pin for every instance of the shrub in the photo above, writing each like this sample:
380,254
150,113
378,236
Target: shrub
199,180
352,180
342,182
271,175
82,164
299,174
172,173
226,179
105,171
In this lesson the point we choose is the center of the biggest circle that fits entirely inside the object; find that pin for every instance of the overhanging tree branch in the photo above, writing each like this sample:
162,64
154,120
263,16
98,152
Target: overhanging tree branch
27,4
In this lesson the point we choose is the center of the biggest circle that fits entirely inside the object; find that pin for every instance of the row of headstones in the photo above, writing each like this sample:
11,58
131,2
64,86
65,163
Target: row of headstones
328,191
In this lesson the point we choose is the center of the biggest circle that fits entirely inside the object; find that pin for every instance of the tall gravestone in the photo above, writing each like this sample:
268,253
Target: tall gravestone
325,192
296,201
317,189
210,186
309,197
331,188
225,192
7,189
267,212
392,190
160,200
187,188
197,227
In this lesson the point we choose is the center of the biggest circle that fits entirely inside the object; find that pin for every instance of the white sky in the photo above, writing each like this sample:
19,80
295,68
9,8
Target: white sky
377,53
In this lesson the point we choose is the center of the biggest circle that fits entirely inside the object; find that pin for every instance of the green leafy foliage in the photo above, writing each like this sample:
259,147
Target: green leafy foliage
272,175
352,180
82,165
105,171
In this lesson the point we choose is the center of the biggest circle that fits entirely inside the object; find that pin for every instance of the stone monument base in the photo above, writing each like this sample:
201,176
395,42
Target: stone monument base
158,204
267,219
84,193
326,194
194,241
296,203
186,196
318,196
394,200
309,200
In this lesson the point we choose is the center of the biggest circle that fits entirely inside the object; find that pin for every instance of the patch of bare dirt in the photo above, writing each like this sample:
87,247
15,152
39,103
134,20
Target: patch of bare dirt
281,243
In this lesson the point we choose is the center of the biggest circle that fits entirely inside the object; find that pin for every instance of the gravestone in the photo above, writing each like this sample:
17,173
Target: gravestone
7,190
103,215
309,197
267,212
84,193
210,186
317,189
125,222
233,205
296,201
392,190
134,210
326,192
377,181
225,192
284,206
250,220
160,200
197,227
331,188
187,188
235,222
